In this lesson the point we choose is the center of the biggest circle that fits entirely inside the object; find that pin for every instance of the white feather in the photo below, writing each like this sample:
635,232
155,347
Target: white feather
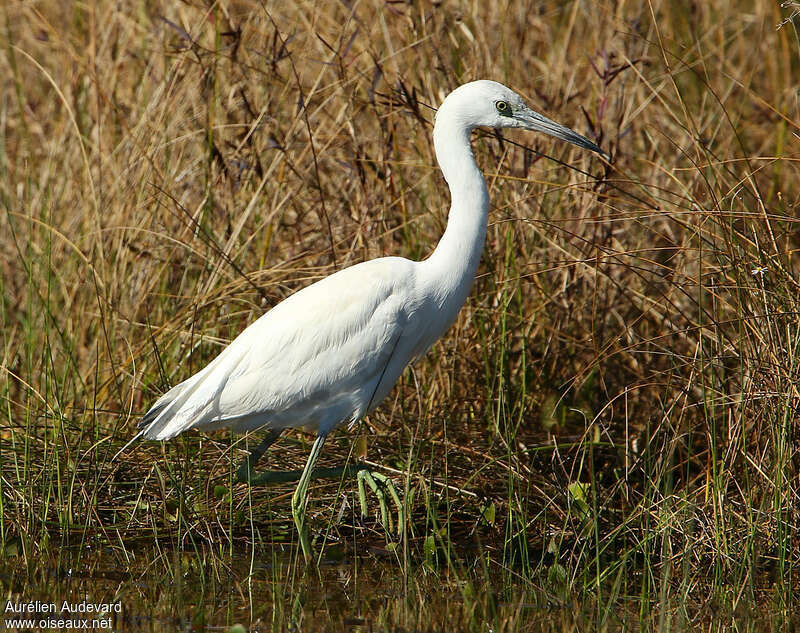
331,352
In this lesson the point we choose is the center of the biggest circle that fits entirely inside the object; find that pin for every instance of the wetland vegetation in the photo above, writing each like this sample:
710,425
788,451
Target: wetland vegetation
607,439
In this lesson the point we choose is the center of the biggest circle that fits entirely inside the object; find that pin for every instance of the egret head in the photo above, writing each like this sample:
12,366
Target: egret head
490,104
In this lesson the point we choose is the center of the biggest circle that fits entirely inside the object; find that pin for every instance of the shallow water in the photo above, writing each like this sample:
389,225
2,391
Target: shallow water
150,589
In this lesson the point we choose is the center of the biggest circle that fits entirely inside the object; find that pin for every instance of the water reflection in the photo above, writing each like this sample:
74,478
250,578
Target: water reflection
271,590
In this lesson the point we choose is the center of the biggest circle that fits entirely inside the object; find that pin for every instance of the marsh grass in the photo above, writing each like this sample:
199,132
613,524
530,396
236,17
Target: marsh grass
612,419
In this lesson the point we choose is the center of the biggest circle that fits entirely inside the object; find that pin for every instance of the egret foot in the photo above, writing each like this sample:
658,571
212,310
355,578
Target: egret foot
380,484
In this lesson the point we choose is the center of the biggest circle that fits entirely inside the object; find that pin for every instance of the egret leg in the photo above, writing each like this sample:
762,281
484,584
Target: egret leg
300,496
378,483
246,474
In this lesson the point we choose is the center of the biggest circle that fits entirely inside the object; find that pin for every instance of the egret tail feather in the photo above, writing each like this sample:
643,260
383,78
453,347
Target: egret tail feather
151,414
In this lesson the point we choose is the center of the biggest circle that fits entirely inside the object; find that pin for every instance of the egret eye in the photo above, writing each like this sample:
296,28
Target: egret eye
503,108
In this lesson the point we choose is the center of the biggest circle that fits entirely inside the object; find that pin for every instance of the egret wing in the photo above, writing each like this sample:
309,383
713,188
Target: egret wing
314,360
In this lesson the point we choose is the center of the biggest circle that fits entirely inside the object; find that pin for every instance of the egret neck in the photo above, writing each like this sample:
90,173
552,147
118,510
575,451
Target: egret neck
454,262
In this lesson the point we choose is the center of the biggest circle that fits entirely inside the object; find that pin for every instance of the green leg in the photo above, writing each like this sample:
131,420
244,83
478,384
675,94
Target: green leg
377,482
246,474
300,495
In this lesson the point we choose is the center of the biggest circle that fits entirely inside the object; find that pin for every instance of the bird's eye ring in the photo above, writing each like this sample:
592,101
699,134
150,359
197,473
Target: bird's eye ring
503,108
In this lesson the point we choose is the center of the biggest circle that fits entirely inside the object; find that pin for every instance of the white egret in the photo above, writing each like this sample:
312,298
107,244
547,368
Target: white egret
331,352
